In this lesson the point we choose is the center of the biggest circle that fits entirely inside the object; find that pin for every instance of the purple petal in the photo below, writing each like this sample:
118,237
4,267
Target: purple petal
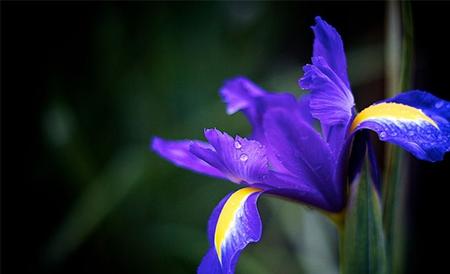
234,223
358,145
303,152
178,153
296,188
331,100
361,146
436,108
416,121
305,110
374,169
238,158
328,45
240,94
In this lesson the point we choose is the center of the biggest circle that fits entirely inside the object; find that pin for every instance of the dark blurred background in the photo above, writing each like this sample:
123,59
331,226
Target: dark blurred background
86,85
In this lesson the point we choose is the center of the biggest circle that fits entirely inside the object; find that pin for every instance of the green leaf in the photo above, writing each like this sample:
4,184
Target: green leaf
362,242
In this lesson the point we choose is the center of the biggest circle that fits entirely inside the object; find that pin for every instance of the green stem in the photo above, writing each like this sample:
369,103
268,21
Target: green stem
406,69
341,242
395,179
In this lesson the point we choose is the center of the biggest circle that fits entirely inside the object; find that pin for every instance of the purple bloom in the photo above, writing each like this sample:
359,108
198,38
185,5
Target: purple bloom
286,156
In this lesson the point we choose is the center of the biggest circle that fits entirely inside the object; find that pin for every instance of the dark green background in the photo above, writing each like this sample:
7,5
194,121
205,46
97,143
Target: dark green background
86,85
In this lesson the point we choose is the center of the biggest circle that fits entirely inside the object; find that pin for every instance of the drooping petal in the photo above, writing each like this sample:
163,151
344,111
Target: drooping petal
234,223
328,45
436,108
303,152
178,153
240,94
239,159
416,121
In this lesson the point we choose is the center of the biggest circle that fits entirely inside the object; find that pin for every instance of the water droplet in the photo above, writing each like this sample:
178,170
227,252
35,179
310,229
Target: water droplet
439,104
243,157
410,133
393,133
382,134
237,145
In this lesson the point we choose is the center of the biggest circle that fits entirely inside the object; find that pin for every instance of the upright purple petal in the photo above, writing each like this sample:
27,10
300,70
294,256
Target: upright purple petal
303,152
234,223
178,153
238,158
416,121
328,45
240,94
331,100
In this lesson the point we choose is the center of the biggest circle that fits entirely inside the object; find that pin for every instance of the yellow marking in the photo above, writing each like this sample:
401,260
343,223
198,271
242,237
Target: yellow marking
391,111
228,213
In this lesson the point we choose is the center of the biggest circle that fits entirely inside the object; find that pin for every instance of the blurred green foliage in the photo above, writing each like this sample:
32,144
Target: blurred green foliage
155,69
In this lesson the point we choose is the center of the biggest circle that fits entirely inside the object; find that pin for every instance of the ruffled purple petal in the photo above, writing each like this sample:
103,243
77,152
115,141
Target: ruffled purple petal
234,223
331,100
416,121
239,159
328,45
178,153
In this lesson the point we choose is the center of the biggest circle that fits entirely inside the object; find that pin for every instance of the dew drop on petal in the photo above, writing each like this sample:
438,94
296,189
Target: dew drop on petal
237,145
439,104
410,133
243,157
382,134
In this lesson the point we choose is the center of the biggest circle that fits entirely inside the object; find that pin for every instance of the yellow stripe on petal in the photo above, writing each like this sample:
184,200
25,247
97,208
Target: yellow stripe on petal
228,215
391,111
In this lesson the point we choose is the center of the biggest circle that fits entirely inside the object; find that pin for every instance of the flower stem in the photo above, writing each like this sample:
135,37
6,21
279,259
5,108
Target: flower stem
396,171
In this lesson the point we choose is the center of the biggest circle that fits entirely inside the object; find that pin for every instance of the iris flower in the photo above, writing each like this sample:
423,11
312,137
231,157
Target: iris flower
287,157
